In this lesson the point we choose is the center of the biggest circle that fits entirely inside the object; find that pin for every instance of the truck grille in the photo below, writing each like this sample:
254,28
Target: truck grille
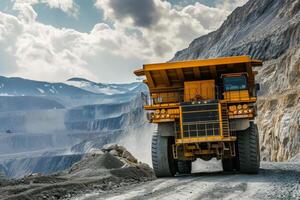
200,120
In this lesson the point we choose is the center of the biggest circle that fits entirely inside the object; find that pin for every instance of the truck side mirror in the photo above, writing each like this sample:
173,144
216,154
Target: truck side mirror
144,98
257,85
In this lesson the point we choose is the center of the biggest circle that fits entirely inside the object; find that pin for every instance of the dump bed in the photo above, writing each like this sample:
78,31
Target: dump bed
172,75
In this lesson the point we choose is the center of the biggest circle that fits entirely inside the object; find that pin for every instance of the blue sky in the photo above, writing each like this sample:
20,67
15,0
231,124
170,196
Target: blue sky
95,39
88,16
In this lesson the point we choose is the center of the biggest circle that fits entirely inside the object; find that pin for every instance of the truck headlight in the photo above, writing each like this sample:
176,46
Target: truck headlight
232,108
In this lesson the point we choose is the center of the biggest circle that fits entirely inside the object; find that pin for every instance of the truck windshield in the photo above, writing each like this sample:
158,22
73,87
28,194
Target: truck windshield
235,83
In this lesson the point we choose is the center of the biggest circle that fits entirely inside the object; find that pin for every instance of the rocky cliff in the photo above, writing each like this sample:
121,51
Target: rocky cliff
279,106
264,29
268,30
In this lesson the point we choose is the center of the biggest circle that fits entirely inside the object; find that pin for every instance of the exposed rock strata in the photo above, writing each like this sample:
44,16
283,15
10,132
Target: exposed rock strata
279,107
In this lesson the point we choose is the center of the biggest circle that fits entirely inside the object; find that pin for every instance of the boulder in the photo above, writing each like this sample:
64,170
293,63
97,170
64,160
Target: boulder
120,151
109,147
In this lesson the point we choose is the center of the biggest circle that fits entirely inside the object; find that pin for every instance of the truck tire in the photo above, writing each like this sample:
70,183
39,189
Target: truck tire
236,159
228,164
163,162
248,150
184,166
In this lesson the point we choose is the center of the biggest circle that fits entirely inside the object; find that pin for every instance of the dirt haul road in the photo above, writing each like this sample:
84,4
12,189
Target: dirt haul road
274,181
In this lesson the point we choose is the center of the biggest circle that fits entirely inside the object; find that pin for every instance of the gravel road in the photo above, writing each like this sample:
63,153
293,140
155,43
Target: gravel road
274,181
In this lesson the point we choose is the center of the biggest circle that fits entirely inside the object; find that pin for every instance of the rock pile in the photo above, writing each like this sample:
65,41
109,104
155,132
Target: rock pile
99,171
120,151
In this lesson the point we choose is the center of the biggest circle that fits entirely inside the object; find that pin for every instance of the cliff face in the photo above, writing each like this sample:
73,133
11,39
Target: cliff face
268,30
279,106
264,29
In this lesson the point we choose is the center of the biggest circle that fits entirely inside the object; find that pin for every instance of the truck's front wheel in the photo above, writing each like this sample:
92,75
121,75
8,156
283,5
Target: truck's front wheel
248,150
163,162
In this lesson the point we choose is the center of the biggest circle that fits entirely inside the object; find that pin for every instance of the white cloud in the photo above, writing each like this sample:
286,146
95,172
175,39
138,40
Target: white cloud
33,48
108,53
230,5
209,17
67,6
46,53
26,12
170,30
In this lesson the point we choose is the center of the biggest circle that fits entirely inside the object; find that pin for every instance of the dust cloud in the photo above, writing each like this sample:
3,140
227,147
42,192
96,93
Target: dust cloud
138,142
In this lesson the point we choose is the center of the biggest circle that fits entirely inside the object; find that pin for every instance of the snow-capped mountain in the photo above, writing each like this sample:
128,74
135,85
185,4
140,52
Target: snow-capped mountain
108,89
73,92
24,87
74,87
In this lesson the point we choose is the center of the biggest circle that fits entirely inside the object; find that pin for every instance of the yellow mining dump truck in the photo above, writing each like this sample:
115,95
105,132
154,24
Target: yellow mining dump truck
204,109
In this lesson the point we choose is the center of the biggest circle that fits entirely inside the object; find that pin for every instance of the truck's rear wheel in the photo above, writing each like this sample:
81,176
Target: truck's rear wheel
248,150
184,166
228,164
163,162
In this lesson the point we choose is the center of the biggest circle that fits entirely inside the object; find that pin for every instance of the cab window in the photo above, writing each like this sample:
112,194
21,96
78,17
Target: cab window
235,83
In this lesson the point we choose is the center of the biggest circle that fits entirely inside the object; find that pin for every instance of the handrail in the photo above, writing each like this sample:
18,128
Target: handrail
196,95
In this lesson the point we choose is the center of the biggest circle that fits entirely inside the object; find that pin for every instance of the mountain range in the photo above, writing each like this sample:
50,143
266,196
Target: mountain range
58,122
73,92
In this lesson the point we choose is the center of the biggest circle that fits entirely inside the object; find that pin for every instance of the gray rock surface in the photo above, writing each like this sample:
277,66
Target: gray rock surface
120,151
268,30
279,107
